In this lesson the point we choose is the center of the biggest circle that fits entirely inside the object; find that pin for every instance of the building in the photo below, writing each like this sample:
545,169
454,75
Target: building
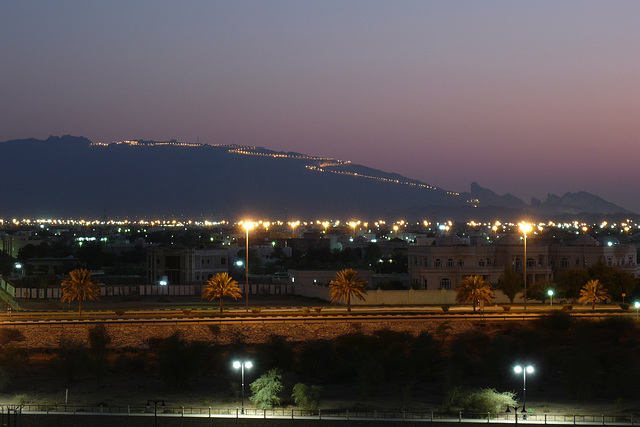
444,263
179,266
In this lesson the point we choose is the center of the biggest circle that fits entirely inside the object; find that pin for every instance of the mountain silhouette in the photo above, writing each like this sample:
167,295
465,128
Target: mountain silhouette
71,177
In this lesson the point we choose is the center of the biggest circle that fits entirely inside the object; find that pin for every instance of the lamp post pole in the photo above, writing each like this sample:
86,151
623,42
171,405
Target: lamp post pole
155,409
550,293
637,306
241,365
524,370
247,226
525,228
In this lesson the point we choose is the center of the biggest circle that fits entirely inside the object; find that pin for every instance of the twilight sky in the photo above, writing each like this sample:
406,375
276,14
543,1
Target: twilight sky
526,97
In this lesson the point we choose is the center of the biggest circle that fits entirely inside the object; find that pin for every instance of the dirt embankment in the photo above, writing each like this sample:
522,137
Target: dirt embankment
138,336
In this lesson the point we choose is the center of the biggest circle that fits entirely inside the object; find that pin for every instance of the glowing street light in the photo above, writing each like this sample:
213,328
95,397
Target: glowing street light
293,228
238,364
325,225
550,293
353,225
248,226
637,306
525,228
524,370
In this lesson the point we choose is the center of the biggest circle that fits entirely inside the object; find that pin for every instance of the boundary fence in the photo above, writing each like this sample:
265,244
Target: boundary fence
324,414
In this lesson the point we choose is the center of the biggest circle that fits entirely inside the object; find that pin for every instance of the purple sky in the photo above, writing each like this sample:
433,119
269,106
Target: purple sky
526,97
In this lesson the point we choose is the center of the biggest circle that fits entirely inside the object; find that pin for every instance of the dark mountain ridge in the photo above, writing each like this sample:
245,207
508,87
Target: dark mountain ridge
68,176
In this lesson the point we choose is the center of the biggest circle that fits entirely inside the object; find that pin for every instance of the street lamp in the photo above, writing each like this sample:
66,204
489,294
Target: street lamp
550,293
637,306
237,364
155,409
293,228
524,370
248,226
525,228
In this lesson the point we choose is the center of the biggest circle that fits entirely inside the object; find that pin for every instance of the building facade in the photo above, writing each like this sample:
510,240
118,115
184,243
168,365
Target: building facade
443,264
185,266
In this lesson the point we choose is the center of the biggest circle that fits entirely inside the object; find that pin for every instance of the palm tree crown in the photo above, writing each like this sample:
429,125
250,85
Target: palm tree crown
79,286
221,285
593,291
347,284
473,289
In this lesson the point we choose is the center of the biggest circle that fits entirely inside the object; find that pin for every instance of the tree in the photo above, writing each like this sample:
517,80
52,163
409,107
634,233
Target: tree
473,289
613,279
221,285
593,292
306,397
180,360
79,286
570,282
346,285
99,340
540,290
266,388
510,283
483,400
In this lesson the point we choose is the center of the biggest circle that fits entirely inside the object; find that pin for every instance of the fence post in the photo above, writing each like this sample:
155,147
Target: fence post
128,410
460,416
488,417
264,413
404,415
100,409
236,412
431,416
375,414
182,412
320,415
347,414
46,408
574,419
209,411
602,419
545,418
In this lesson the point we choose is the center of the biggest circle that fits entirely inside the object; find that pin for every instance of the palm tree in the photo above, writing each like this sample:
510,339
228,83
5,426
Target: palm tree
473,289
79,286
221,285
346,285
592,292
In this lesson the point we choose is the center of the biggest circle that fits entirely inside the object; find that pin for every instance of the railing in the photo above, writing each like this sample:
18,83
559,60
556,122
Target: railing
341,414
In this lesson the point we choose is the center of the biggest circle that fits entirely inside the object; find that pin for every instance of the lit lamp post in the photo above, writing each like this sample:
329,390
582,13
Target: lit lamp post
550,293
524,370
242,365
353,225
637,306
525,228
325,225
293,228
248,226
